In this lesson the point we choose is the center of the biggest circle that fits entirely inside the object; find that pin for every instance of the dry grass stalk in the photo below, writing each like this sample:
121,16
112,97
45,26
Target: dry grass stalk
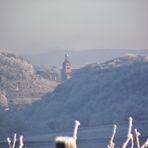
137,138
9,142
145,145
111,143
129,134
132,142
21,142
77,124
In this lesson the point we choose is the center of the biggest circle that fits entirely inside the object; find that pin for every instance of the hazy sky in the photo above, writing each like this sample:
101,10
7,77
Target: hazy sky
40,25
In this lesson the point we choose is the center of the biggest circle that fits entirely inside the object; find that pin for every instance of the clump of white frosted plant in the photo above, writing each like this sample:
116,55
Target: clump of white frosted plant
12,143
111,143
68,142
130,137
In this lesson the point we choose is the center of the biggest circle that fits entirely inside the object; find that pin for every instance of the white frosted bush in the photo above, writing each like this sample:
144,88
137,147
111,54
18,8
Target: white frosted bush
68,142
12,143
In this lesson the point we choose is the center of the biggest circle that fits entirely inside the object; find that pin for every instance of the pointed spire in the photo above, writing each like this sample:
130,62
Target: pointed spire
66,54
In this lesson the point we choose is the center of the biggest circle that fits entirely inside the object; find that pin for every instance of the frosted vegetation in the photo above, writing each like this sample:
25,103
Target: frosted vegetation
71,141
19,80
20,85
97,94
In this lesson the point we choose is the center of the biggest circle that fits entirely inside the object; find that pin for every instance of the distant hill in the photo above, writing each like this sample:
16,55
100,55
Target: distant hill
80,58
97,94
19,82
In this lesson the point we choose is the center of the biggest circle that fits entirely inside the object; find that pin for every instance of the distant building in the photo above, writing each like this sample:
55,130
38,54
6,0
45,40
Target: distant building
66,69
55,74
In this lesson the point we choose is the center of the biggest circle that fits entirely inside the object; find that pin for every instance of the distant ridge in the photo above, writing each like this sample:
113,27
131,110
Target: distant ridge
79,58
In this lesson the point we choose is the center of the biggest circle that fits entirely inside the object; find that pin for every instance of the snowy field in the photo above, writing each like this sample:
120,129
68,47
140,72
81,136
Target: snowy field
91,137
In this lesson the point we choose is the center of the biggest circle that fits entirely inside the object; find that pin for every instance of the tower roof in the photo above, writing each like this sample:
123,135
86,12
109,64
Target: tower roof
66,61
66,56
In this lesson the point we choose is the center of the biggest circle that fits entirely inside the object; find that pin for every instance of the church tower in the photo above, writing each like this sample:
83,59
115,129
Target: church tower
66,69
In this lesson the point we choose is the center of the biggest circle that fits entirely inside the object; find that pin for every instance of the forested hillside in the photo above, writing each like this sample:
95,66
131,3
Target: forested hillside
97,94
19,82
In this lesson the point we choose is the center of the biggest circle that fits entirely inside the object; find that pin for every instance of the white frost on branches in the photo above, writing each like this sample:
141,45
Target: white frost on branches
137,138
77,124
12,144
145,145
69,142
21,142
111,143
129,134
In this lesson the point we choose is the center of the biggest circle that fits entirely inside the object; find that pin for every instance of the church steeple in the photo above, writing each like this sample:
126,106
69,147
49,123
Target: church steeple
66,56
66,68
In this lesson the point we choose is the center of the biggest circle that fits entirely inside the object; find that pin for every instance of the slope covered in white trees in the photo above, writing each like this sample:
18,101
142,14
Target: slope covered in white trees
19,82
97,94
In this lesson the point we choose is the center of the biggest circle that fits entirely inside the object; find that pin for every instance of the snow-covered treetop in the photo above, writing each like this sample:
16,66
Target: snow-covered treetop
120,61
